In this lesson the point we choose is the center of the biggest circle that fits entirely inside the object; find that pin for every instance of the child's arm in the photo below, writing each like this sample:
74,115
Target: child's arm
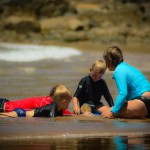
79,92
12,114
76,108
30,113
18,113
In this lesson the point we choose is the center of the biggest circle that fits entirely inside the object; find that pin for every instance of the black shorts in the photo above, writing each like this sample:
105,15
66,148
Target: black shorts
2,102
146,101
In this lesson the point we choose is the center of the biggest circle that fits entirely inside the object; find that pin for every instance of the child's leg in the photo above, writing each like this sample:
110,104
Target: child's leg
102,108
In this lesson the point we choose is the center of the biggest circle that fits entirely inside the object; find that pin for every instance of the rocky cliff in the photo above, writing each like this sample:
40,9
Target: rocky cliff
103,21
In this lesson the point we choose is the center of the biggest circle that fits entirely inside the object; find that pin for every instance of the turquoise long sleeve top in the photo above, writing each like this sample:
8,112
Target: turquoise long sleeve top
131,84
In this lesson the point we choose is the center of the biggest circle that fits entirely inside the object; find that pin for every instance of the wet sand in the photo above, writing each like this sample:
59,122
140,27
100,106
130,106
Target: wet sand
71,127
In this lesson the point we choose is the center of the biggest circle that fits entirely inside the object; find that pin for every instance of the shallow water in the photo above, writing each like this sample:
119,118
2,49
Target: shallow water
20,79
31,77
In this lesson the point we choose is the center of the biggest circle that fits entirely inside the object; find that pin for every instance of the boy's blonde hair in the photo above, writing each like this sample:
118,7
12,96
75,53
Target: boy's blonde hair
60,92
99,66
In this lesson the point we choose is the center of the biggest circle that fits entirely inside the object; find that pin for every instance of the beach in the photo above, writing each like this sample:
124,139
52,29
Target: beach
30,77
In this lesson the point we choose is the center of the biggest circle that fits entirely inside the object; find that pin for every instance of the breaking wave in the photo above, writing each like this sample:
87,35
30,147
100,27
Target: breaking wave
29,53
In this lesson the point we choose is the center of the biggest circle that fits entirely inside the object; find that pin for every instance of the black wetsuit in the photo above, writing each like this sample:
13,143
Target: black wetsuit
89,91
50,110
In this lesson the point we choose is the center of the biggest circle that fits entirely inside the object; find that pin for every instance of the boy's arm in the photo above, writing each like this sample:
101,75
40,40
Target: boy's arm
76,108
107,95
11,114
77,95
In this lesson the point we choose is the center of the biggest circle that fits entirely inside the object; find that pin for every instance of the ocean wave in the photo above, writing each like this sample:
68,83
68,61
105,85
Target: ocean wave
28,53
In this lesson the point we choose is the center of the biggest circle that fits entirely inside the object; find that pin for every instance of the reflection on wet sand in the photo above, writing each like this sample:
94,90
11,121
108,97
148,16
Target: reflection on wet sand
103,143
61,144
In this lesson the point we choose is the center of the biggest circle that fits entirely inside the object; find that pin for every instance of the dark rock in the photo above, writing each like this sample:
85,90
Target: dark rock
75,20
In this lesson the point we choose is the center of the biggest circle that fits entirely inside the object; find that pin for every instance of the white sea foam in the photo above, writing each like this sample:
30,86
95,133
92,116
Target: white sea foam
28,53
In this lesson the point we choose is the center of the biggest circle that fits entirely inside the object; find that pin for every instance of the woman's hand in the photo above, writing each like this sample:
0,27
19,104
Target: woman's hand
108,114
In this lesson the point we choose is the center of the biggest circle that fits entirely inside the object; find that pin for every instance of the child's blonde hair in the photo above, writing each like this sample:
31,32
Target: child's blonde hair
60,92
99,66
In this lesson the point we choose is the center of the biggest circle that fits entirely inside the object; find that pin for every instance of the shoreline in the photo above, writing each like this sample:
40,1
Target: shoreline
72,136
92,46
